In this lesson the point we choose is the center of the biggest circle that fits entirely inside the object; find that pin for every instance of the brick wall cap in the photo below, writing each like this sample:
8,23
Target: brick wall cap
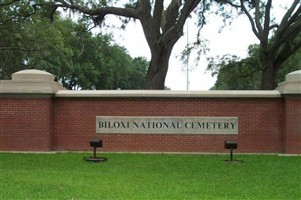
168,93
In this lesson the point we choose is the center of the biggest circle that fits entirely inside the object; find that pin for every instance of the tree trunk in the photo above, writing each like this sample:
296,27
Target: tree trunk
156,74
269,77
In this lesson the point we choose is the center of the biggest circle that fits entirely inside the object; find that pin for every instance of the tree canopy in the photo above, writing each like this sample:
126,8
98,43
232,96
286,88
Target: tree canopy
277,41
234,73
162,25
67,49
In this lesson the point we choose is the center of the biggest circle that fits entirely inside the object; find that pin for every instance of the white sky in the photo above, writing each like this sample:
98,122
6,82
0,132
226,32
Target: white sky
232,40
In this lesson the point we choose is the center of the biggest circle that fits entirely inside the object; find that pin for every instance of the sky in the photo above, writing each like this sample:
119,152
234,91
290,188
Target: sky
233,40
229,41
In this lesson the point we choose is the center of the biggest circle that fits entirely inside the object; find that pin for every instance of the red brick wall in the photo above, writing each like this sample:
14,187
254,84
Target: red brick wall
292,143
43,124
260,123
25,124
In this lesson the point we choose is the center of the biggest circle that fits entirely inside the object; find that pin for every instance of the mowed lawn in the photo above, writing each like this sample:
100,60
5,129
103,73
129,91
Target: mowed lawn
149,176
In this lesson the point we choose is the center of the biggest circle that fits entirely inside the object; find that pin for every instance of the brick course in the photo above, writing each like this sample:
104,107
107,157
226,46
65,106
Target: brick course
25,124
292,130
63,124
260,127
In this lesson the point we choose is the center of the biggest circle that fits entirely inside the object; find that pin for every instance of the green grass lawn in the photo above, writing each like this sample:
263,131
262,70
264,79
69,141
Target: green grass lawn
149,176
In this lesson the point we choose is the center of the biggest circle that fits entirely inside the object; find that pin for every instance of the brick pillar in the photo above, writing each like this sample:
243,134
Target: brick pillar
291,91
26,111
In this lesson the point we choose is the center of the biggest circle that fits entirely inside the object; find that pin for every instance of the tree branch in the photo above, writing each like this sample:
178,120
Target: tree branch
255,31
257,17
99,12
156,19
143,10
16,15
18,49
289,49
170,15
9,3
228,2
287,34
176,31
288,19
289,13
267,19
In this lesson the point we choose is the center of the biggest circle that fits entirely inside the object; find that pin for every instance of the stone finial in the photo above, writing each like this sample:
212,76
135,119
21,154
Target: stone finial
32,75
292,84
294,76
30,81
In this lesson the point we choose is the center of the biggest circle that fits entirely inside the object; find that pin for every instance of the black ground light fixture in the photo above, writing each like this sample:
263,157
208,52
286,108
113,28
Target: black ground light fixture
231,145
95,143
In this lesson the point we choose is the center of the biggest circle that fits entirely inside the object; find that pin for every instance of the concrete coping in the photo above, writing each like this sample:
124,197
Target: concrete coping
168,93
41,82
292,85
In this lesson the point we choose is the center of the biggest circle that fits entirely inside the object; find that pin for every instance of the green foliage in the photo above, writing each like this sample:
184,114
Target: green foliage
149,176
119,70
67,49
234,73
162,23
138,72
290,65
278,38
13,14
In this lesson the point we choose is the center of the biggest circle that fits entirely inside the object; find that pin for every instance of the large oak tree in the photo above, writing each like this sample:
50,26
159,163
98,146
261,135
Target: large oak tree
234,73
278,41
162,26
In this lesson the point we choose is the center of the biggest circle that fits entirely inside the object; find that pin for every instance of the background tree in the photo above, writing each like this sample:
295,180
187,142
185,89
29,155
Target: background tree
234,73
13,14
67,49
119,70
278,41
162,26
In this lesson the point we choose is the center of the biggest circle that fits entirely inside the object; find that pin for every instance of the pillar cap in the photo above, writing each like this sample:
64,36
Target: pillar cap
30,81
292,83
294,76
32,75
